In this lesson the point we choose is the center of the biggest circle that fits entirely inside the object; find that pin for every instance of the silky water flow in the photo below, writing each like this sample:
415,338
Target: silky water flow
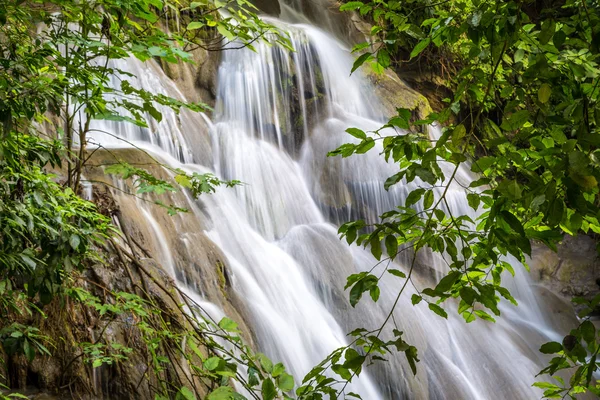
277,115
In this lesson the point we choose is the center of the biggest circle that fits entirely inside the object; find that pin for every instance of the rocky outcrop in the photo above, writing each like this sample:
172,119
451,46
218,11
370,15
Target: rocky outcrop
573,271
394,93
197,80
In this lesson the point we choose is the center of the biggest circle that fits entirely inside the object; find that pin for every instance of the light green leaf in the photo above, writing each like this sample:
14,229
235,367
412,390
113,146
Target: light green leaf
420,47
544,93
285,382
357,133
185,394
195,25
351,5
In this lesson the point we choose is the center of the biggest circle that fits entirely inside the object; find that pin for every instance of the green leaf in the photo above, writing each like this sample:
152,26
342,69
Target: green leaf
546,385
588,332
422,45
362,285
448,281
513,222
212,363
265,362
360,61
484,315
376,247
365,146
438,310
416,299
185,394
556,211
551,348
391,245
357,133
458,135
278,369
411,356
195,25
544,93
268,390
221,393
351,5
374,292
228,325
428,199
515,120
519,55
548,29
196,4
285,382
28,350
223,30
397,273
474,200
28,260
74,241
353,360
342,371
510,189
413,197
468,295
383,58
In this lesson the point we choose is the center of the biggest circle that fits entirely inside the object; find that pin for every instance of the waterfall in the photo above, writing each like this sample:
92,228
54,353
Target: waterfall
277,115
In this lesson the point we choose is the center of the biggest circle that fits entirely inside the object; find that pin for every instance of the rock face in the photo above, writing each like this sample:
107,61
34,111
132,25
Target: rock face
573,271
197,80
271,7
394,93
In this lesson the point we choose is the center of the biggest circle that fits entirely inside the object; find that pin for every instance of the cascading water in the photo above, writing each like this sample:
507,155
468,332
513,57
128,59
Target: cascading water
277,115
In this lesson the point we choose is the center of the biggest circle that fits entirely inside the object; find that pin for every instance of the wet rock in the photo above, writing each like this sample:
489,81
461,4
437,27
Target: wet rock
570,272
271,7
206,73
394,93
196,80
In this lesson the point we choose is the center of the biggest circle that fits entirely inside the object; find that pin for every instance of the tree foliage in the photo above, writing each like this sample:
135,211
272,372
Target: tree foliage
523,116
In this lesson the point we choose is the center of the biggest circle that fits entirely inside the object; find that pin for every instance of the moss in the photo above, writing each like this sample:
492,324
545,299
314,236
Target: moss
299,123
223,283
319,79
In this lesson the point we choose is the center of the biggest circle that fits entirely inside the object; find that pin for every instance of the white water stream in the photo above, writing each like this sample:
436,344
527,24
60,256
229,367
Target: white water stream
277,116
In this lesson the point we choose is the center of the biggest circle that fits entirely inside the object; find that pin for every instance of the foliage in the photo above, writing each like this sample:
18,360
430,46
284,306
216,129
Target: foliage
572,354
47,231
184,338
145,182
65,68
56,60
524,115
